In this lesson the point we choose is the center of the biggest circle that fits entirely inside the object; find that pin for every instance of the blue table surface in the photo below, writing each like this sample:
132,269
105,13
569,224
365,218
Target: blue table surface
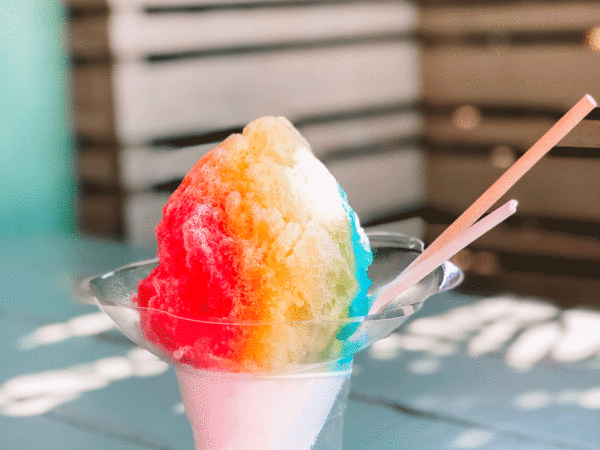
463,373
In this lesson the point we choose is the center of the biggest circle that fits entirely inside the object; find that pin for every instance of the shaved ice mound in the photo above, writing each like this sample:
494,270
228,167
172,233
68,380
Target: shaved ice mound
258,233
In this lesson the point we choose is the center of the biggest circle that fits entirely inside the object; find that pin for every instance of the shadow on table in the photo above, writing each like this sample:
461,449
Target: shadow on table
527,331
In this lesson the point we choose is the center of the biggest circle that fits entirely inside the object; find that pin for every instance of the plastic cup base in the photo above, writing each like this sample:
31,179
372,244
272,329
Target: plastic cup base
230,411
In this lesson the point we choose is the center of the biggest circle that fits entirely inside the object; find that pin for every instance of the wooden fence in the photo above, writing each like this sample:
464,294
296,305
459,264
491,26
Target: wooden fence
495,78
157,83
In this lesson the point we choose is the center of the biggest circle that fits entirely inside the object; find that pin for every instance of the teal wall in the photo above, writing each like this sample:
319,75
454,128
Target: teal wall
36,150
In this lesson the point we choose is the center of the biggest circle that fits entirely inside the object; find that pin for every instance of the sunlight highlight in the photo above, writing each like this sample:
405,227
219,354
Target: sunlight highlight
386,349
590,399
38,393
472,439
392,346
527,330
493,337
424,366
85,325
178,408
581,338
533,345
539,399
533,400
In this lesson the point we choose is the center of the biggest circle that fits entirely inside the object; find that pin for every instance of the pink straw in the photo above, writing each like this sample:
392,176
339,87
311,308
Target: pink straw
511,176
415,273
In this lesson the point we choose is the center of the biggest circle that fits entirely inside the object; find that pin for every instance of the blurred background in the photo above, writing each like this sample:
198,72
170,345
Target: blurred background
415,107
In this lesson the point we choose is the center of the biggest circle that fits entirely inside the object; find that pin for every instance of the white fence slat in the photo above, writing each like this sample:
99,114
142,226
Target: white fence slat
362,131
383,183
142,212
134,35
140,5
180,97
144,167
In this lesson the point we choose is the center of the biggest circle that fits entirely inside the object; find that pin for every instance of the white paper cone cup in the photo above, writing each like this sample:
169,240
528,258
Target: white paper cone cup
241,411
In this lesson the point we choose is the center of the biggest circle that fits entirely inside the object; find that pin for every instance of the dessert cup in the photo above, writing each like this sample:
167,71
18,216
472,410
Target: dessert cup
274,411
297,406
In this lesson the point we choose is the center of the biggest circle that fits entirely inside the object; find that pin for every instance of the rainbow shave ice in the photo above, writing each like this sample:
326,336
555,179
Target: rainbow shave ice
258,232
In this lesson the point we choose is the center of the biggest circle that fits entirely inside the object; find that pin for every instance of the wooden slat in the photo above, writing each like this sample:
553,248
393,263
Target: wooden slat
137,5
98,166
567,188
88,36
361,132
144,167
88,5
134,35
190,96
378,185
565,290
489,273
533,241
92,93
530,16
553,76
156,100
519,132
142,212
101,214
586,134
140,5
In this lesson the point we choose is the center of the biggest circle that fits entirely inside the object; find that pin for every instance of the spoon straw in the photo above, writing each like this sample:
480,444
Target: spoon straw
411,276
460,232
511,176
